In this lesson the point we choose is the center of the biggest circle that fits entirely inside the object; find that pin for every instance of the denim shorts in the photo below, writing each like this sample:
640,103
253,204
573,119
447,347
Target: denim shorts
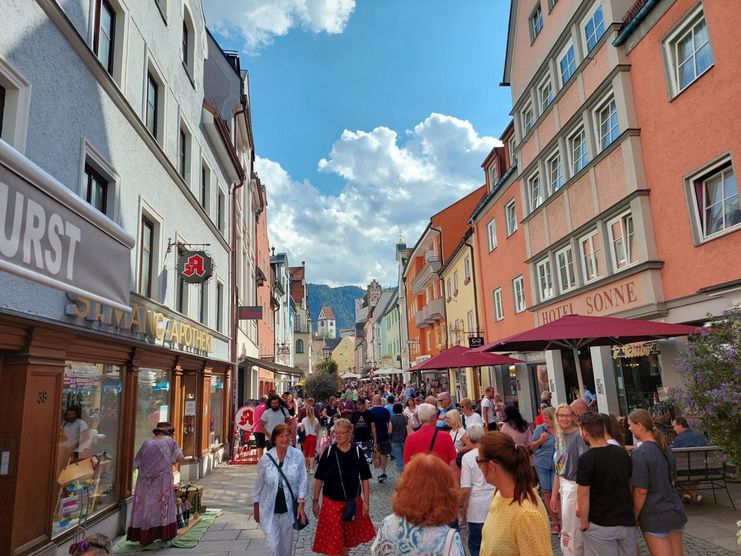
545,478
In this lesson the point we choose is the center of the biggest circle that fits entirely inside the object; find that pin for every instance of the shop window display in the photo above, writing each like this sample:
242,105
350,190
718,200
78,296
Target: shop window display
152,404
216,423
88,442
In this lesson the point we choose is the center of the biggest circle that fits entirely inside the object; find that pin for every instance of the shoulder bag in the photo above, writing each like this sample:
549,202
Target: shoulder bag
432,444
296,521
348,512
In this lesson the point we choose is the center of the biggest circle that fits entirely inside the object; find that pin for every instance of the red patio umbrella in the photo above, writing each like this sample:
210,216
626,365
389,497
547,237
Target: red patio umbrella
576,331
460,356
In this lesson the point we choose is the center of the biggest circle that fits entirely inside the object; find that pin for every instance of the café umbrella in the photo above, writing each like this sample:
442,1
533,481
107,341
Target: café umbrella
458,357
575,332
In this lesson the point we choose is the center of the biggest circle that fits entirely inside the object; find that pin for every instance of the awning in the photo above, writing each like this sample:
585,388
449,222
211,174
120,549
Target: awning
270,365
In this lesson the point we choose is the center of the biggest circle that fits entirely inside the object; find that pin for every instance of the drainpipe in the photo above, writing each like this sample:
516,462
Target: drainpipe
635,22
475,307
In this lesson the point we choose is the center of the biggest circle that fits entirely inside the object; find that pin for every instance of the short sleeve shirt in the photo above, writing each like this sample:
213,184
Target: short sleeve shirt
662,511
606,471
382,417
353,467
272,418
487,403
362,420
419,443
567,456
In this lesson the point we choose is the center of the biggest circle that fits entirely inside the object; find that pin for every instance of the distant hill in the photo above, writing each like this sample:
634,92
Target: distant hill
341,299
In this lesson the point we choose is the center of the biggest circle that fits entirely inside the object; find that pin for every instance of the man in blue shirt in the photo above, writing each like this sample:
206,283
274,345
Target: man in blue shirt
590,398
687,438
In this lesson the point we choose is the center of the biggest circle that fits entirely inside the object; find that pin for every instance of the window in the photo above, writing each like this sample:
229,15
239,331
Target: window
545,94
551,3
565,264
578,151
511,151
185,49
15,102
104,37
545,279
498,304
203,193
717,197
181,291
608,123
621,241
146,257
450,291
152,104
536,22
567,64
594,28
535,190
183,153
518,289
466,270
555,172
590,248
492,174
96,189
152,402
455,283
216,409
2,107
202,302
219,306
528,119
491,233
510,215
471,324
299,346
220,212
688,51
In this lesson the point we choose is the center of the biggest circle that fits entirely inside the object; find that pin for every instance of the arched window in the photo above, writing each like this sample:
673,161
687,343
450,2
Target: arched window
299,346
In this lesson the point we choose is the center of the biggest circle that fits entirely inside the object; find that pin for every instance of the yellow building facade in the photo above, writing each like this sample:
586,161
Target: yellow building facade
461,314
344,355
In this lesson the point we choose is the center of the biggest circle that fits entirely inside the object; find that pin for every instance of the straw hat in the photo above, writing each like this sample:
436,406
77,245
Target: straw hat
164,427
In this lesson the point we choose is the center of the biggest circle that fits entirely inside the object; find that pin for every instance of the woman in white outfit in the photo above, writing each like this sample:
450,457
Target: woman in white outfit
271,497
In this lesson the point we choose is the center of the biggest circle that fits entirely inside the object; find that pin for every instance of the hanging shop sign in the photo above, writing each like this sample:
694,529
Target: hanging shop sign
475,341
642,349
195,267
249,312
51,236
145,322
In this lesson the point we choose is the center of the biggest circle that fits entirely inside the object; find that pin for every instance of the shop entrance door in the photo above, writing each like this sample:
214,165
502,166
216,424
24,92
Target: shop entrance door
190,414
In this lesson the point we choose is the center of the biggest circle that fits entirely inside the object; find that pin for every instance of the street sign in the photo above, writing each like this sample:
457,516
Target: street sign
475,341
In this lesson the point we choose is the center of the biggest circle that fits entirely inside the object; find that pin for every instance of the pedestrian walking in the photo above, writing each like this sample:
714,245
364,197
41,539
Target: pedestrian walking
382,446
477,493
656,502
517,522
399,432
499,409
516,427
273,416
605,501
410,412
280,486
430,439
426,499
364,429
569,447
487,410
259,429
154,513
468,415
456,431
342,479
309,426
444,404
543,445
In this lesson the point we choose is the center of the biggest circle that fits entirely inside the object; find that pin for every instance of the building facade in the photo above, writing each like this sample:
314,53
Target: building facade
326,324
142,164
303,357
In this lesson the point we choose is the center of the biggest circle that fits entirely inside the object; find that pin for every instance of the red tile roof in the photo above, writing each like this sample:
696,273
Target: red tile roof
328,312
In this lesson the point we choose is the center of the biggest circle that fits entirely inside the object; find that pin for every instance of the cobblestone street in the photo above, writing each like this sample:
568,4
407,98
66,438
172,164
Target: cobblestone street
235,533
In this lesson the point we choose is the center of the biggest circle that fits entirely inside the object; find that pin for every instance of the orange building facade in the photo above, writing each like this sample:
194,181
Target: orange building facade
624,207
425,301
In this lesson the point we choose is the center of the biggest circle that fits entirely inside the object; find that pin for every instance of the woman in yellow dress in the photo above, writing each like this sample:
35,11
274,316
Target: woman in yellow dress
517,523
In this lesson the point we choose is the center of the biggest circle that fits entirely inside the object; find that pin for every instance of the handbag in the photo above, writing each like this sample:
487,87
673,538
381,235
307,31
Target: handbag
297,525
351,505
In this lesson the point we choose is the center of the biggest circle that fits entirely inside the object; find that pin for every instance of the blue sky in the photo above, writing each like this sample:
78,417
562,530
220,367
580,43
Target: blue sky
368,117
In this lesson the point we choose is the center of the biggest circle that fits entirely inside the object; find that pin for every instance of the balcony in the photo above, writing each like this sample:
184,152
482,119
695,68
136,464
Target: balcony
434,310
431,268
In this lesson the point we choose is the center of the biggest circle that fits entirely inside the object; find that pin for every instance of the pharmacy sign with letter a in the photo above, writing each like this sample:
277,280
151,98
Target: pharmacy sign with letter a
195,267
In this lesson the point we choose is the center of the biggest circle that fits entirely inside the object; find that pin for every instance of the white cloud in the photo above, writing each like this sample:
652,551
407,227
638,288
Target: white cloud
258,22
390,184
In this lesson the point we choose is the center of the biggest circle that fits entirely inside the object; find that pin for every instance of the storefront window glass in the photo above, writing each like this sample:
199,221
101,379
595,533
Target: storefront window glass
638,382
152,404
88,446
216,424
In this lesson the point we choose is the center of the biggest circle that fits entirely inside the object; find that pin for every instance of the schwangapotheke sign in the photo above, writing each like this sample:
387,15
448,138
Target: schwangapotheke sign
51,236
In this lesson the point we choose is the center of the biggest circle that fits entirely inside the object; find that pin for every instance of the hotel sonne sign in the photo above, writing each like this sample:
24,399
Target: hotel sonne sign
618,296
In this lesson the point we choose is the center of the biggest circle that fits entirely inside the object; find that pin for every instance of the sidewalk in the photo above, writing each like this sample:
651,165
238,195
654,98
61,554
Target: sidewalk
711,529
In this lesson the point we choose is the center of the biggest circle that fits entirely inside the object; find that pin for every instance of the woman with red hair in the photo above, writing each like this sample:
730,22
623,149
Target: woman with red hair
426,500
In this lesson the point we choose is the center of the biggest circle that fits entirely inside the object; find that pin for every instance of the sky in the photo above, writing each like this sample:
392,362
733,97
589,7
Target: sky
369,116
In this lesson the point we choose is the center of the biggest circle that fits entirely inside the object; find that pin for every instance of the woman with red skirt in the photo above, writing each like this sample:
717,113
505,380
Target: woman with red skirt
342,475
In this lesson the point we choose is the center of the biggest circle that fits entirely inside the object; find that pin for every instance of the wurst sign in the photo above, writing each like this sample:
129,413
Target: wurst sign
51,236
